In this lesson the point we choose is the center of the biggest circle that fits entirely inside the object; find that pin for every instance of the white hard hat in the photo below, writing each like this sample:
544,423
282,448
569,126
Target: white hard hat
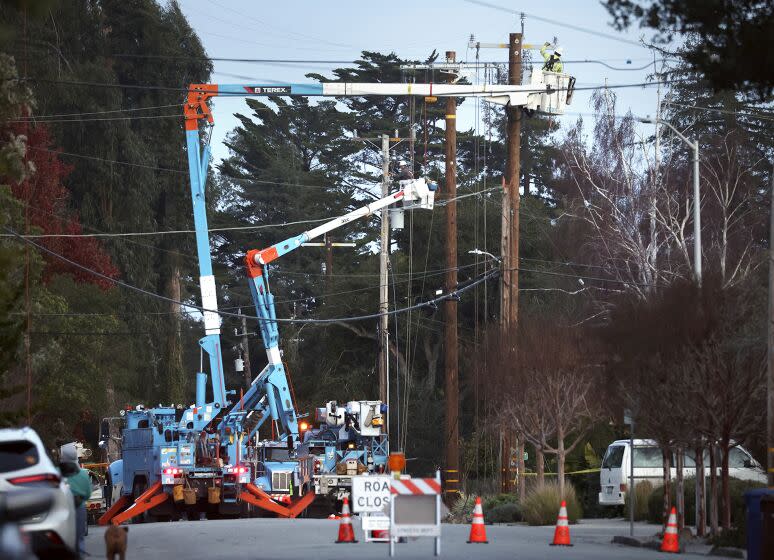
68,453
558,51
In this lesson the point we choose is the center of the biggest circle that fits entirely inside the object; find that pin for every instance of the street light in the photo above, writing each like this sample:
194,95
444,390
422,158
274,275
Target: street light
696,195
480,252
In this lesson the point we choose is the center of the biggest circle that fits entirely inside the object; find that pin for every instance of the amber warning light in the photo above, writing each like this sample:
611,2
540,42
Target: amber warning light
396,462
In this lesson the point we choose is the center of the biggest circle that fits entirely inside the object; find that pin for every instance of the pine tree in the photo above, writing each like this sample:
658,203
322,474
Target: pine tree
15,102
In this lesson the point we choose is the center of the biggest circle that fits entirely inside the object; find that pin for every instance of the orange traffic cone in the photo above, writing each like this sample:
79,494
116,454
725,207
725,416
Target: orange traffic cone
562,531
671,542
346,532
477,529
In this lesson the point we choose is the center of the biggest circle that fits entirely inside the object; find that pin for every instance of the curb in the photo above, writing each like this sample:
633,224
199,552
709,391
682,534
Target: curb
645,542
627,541
727,552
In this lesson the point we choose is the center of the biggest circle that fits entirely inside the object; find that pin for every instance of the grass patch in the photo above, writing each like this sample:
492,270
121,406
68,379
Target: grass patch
541,506
642,493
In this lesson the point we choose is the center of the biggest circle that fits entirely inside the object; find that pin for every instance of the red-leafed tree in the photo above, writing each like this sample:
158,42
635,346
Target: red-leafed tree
45,198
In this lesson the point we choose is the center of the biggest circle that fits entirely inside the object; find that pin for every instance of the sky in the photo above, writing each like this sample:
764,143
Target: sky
339,30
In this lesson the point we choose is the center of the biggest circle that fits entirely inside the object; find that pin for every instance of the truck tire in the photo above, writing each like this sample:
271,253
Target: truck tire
139,486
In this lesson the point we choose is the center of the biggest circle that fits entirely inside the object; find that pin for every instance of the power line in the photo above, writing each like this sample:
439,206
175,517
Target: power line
225,94
278,301
101,119
583,277
70,221
107,111
282,30
552,21
477,193
431,272
179,231
94,333
292,61
430,303
102,84
762,116
104,160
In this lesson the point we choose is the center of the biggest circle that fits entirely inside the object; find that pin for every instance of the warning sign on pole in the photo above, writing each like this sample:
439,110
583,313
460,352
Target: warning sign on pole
370,494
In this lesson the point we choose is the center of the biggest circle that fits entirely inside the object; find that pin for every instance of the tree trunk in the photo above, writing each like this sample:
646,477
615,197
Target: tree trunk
666,463
505,461
701,501
540,467
174,352
522,478
560,456
726,519
680,487
713,489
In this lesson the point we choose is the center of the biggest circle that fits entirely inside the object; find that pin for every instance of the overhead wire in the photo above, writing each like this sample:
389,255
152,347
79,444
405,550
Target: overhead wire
558,23
103,119
381,64
455,293
87,113
283,31
246,94
168,232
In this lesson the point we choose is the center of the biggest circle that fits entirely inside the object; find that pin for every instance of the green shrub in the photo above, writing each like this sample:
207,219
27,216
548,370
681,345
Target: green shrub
737,488
491,502
655,501
461,511
504,513
736,536
541,506
502,508
642,493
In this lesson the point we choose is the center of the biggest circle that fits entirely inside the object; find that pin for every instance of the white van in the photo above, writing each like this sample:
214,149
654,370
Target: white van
615,471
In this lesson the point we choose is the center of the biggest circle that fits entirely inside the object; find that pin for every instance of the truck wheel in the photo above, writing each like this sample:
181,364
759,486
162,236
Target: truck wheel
138,488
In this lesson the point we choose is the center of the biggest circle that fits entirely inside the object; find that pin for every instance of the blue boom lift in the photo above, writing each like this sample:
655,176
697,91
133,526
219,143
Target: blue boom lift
208,456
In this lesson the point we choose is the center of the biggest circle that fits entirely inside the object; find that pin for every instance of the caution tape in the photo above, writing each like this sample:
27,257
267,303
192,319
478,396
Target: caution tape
585,471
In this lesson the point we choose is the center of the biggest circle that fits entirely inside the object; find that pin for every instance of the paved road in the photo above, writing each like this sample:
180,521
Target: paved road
306,539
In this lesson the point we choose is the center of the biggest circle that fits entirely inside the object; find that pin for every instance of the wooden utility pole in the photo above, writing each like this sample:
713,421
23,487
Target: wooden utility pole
509,301
451,386
384,252
328,244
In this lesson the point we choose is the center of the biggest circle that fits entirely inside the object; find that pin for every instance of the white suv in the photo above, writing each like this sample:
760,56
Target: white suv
24,463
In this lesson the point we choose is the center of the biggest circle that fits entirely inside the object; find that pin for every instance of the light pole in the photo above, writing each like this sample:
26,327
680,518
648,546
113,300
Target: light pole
696,194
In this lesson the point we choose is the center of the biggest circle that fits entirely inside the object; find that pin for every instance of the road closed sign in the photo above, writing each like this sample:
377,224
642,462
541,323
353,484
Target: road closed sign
370,494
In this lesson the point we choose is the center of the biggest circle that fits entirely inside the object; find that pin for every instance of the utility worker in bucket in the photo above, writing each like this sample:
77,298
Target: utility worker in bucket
553,60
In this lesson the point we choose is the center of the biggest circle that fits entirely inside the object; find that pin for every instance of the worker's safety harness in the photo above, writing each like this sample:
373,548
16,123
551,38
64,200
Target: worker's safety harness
549,65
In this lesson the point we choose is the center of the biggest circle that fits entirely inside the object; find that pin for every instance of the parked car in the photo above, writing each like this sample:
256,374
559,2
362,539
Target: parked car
614,475
24,463
18,505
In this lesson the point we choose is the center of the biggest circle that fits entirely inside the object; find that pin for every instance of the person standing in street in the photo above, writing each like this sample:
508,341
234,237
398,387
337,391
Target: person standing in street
80,486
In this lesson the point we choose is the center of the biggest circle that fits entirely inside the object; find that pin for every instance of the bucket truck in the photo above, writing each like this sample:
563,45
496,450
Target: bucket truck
206,455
